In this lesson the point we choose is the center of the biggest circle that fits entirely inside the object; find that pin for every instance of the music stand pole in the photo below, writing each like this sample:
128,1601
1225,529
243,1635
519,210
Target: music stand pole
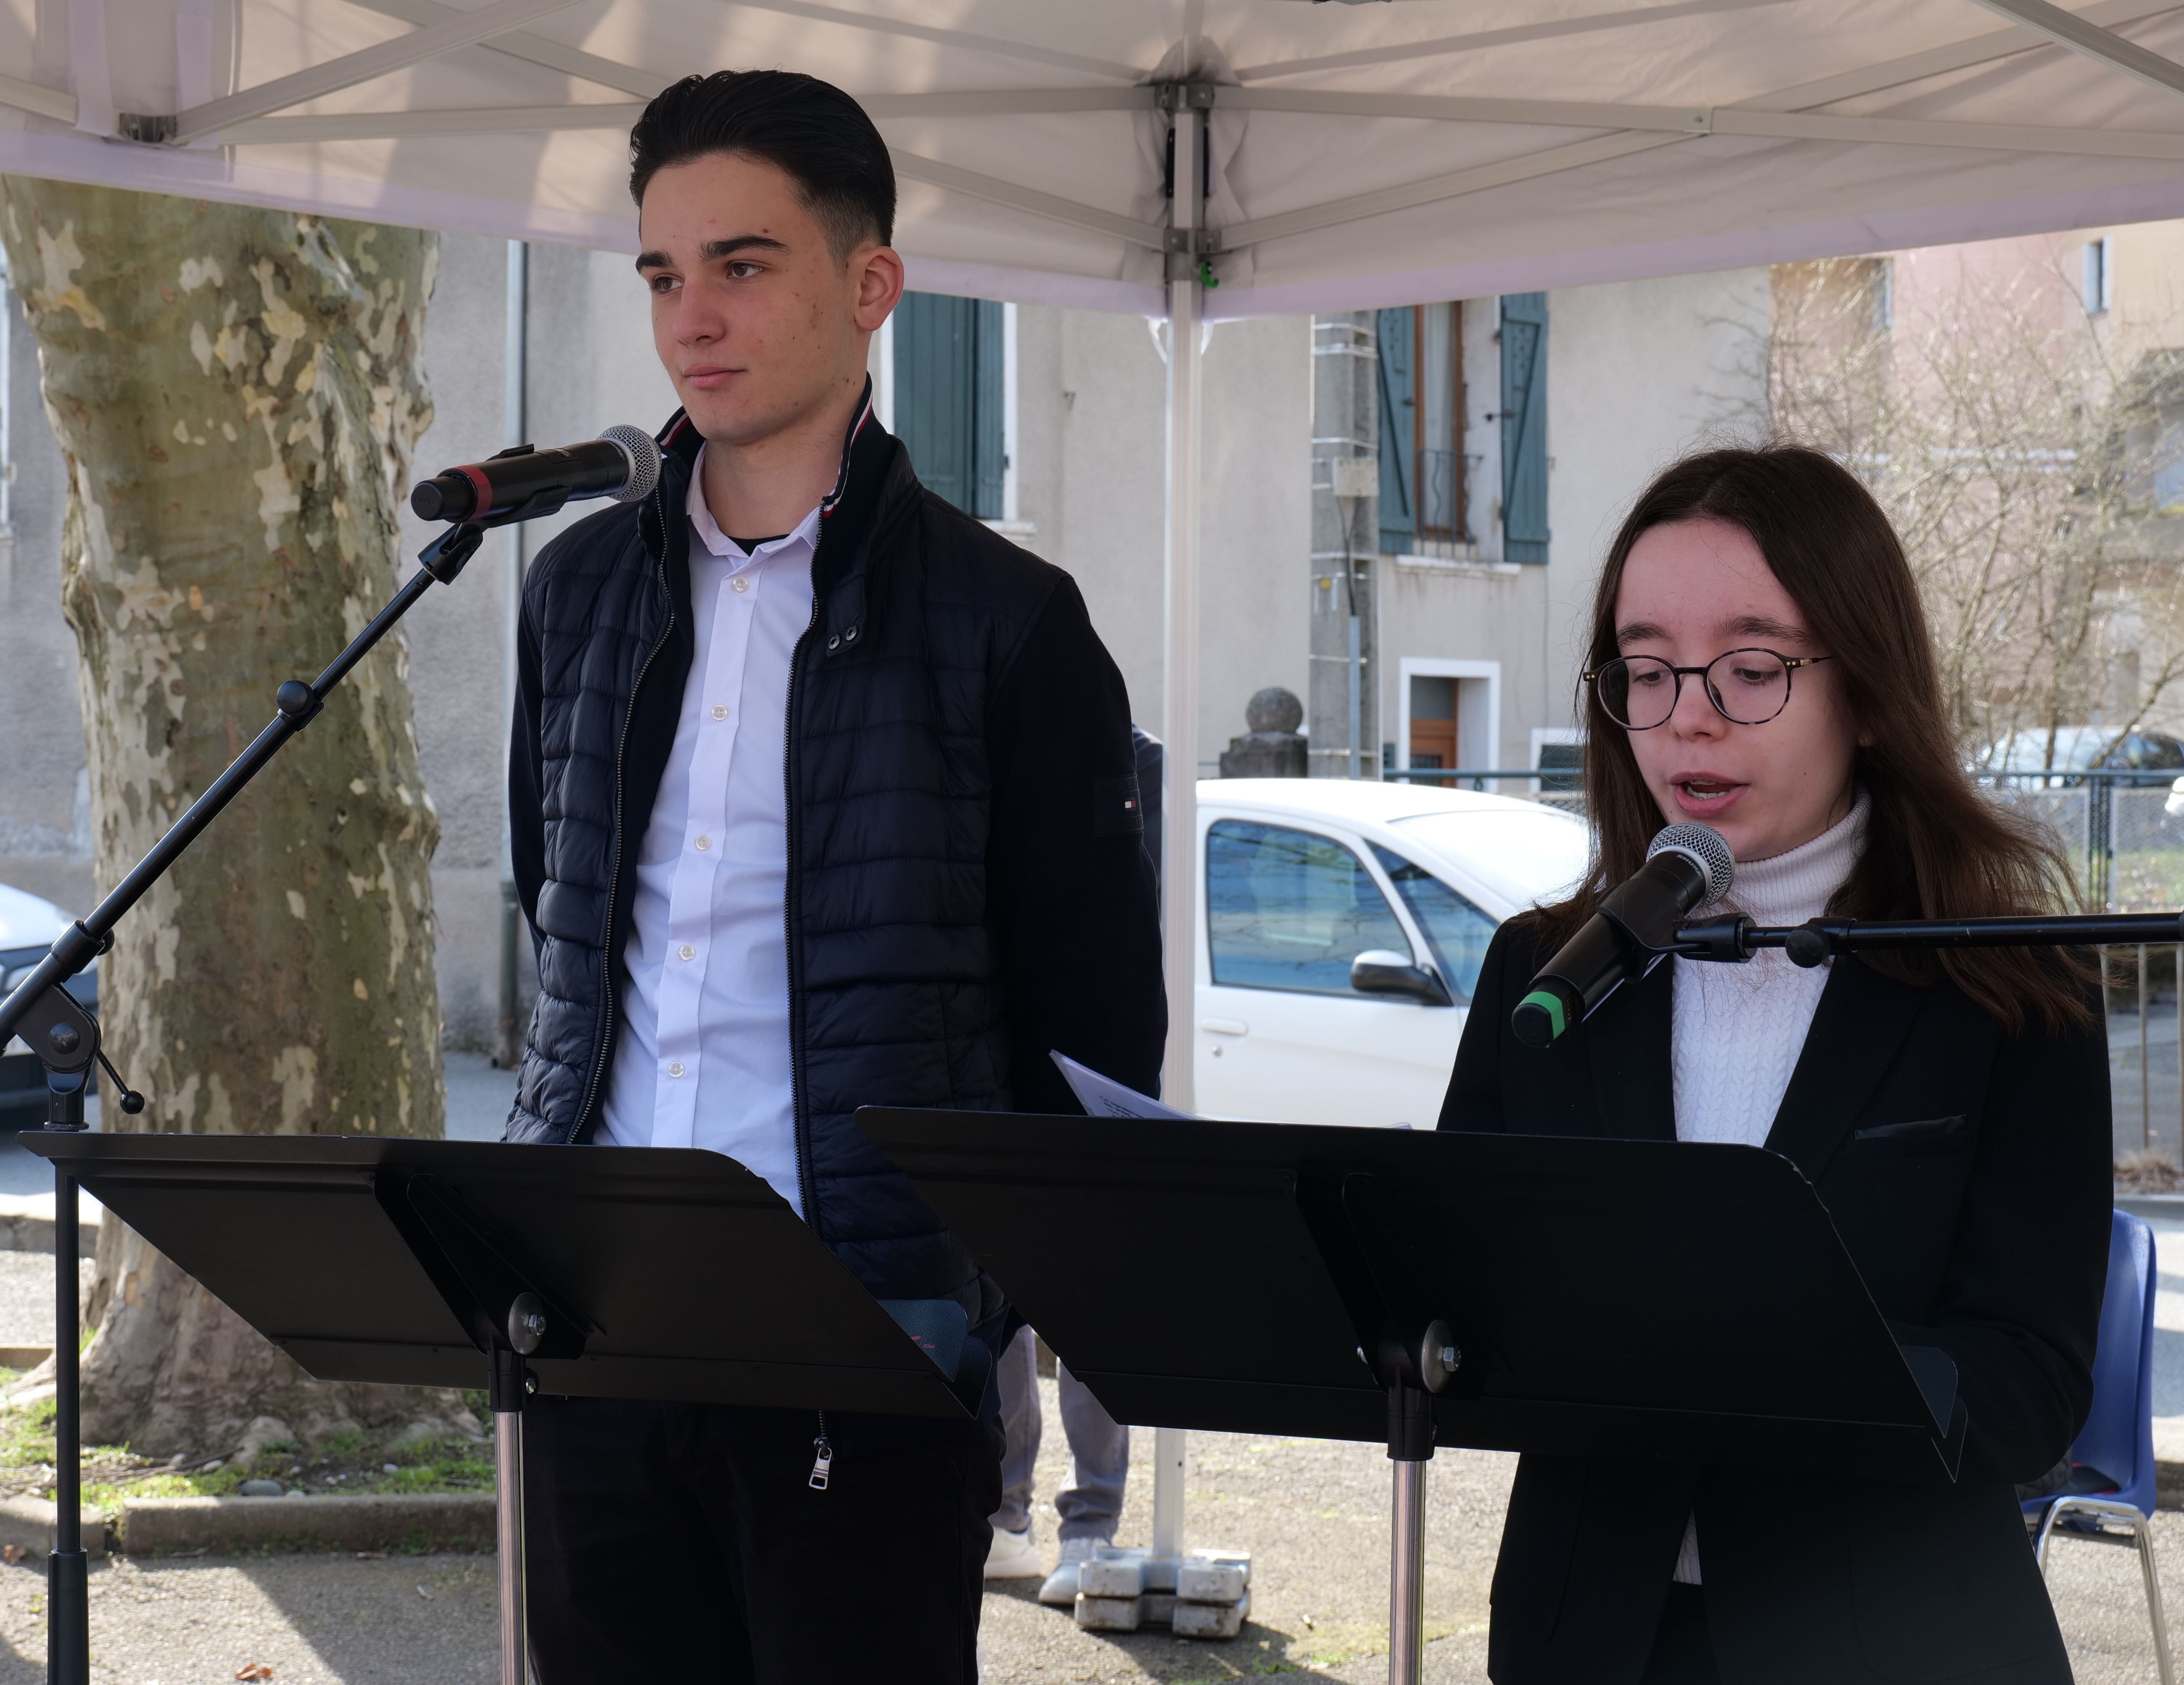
510,1385
1410,1448
68,1569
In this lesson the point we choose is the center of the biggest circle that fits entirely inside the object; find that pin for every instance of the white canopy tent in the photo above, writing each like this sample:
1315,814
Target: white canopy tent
1361,154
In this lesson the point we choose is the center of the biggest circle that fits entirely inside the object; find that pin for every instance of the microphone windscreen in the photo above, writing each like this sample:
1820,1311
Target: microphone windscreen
643,462
1705,848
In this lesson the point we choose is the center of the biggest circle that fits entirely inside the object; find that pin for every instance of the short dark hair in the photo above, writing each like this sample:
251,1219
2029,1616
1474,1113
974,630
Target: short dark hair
809,129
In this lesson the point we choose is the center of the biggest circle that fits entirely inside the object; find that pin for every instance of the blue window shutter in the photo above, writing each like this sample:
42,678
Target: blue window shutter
948,396
1399,385
1525,427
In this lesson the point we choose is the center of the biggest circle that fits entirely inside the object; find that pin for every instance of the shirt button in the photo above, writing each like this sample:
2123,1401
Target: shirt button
719,711
675,1067
686,952
741,583
704,844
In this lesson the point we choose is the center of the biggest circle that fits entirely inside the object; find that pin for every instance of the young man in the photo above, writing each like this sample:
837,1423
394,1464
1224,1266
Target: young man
823,797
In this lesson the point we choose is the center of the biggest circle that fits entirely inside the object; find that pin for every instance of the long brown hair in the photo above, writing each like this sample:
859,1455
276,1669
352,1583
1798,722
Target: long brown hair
1934,846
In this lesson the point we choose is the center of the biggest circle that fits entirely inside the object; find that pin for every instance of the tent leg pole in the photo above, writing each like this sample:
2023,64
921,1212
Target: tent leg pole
1179,884
1171,1447
1179,880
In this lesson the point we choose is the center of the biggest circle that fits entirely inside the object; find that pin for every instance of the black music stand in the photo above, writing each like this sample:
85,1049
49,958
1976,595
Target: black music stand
1511,1292
611,1272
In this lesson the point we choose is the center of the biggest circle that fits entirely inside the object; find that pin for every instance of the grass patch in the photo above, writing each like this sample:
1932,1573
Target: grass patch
341,1463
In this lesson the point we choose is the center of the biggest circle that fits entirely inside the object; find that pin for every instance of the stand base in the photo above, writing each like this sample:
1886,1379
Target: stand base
68,1618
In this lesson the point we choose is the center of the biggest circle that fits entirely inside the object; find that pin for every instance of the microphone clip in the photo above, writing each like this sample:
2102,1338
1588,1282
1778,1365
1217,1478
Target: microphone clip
1727,940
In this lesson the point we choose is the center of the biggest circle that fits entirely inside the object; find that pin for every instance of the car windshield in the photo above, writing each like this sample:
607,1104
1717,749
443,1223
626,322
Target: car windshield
1533,855
1457,930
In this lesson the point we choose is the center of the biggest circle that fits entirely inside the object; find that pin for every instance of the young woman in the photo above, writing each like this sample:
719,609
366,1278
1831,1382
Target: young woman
1759,662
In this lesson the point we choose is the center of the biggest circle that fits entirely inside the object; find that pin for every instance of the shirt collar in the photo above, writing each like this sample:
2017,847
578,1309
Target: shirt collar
718,544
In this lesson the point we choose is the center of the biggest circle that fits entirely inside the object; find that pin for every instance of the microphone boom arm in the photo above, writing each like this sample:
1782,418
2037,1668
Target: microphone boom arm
1737,939
298,704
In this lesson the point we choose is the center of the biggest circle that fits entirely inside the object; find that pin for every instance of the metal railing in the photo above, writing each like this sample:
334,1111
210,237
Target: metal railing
2124,831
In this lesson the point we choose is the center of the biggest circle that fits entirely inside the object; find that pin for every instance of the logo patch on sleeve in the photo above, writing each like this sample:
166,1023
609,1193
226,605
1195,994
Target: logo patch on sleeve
1117,810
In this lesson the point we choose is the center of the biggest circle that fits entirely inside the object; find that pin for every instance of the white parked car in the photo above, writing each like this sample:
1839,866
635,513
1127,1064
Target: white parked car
29,925
1343,930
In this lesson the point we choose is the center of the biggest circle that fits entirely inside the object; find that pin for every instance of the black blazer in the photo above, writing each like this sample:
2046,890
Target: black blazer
1968,1173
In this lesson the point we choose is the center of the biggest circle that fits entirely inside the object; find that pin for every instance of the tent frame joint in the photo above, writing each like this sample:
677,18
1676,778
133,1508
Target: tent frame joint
1201,243
1182,96
147,128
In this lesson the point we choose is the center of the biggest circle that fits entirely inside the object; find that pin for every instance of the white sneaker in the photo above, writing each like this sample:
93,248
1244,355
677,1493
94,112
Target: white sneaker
1059,1590
1012,1556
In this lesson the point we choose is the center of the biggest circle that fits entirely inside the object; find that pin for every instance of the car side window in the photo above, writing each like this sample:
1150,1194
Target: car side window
1286,909
1456,931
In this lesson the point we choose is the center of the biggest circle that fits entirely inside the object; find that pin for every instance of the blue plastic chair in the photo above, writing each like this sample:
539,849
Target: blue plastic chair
2110,1497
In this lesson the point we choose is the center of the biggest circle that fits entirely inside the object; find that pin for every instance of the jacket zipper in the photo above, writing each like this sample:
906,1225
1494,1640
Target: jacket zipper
823,1461
806,1184
614,873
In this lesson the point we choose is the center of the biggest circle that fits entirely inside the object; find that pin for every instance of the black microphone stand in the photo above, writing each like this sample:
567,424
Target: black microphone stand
64,1036
1735,939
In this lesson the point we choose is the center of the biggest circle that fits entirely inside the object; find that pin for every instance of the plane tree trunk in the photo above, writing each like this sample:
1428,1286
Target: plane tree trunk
236,393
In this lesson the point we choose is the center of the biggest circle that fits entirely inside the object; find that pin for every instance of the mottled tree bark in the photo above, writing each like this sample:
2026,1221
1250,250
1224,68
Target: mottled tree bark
236,393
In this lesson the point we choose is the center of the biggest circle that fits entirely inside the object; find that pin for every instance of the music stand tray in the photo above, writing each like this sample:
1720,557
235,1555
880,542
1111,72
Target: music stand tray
608,1272
1557,1294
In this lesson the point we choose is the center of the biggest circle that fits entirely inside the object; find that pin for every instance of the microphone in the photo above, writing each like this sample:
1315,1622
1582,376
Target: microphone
518,485
1688,866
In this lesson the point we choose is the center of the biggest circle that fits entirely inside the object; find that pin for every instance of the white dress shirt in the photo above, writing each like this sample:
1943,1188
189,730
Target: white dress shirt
1738,1029
703,1058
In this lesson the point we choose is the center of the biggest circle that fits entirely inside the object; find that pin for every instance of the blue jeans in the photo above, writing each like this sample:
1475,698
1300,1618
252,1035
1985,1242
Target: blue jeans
1099,1449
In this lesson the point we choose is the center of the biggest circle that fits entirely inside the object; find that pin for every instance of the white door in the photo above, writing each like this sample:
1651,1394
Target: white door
1281,1036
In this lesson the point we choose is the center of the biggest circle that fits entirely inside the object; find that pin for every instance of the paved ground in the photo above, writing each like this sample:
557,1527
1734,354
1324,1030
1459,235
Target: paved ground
1314,1516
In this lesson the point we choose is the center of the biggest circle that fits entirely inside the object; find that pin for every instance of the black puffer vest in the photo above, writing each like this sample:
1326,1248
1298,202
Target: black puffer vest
894,981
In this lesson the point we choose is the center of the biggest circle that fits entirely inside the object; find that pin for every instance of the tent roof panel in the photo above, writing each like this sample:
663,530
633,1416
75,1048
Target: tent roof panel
1568,138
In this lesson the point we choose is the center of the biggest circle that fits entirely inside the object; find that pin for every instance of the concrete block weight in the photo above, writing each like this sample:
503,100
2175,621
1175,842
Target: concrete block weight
1109,1614
1203,1595
1199,1581
1117,1576
1212,1620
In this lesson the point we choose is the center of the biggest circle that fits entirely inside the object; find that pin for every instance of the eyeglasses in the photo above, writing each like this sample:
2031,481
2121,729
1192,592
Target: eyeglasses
1746,687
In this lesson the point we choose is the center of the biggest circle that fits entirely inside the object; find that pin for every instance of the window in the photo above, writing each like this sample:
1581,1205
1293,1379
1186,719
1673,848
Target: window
1422,480
1286,909
1456,931
1525,427
950,397
2100,275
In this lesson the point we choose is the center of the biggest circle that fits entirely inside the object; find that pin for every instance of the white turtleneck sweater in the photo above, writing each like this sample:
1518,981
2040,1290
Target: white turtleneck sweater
1738,1029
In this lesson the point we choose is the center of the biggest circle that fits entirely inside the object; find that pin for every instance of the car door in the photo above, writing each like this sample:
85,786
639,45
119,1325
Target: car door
1280,1034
